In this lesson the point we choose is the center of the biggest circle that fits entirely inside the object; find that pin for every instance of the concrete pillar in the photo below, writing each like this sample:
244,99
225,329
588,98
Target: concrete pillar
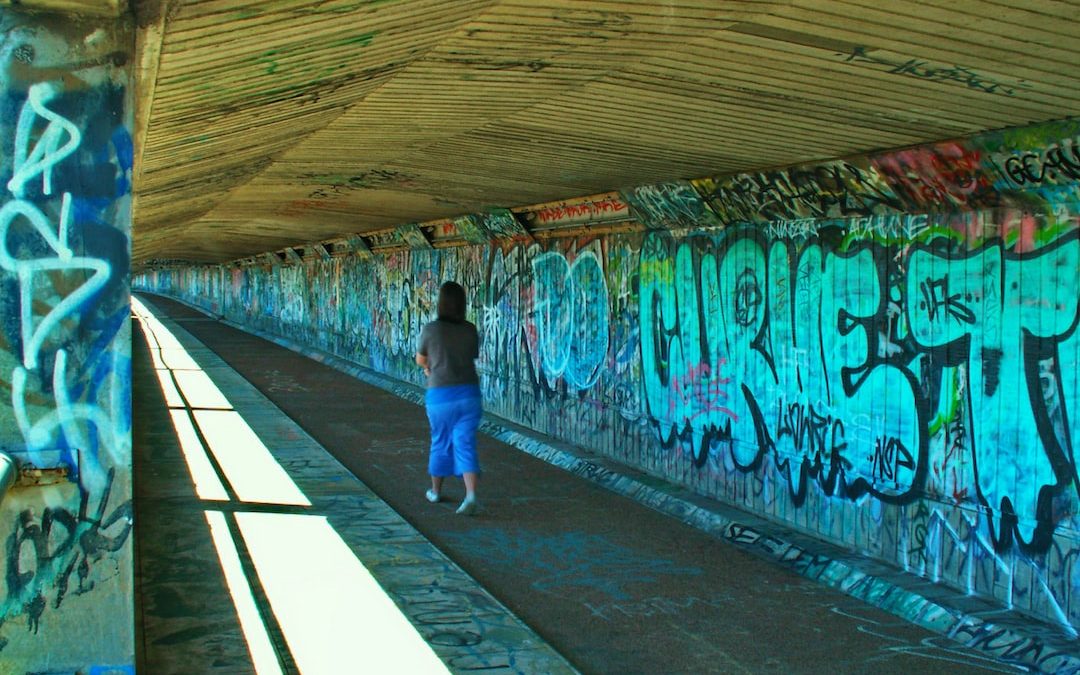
66,120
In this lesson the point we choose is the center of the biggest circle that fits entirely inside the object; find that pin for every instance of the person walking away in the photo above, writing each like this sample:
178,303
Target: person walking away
448,349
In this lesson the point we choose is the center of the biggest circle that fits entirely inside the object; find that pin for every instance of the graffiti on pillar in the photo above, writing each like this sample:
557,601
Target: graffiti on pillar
43,234
64,253
49,557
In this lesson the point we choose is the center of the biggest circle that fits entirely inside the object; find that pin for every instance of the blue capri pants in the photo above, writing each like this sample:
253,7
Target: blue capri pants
454,413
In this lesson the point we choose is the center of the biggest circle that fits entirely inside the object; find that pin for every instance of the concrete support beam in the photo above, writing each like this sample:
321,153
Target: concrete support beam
412,236
150,19
358,246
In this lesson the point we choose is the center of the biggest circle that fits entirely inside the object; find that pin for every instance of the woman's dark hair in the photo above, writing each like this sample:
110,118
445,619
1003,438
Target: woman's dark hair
451,302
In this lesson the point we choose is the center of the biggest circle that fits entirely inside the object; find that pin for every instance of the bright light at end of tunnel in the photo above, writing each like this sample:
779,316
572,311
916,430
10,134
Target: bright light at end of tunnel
263,655
334,615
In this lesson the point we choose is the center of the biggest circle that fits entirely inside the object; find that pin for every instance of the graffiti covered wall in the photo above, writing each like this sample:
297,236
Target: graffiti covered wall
66,602
882,352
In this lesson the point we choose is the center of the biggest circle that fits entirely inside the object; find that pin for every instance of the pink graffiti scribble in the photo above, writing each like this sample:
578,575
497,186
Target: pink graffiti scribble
699,387
970,226
1025,225
946,174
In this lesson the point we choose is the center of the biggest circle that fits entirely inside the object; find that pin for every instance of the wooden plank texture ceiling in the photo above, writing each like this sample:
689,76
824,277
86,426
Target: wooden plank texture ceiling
272,123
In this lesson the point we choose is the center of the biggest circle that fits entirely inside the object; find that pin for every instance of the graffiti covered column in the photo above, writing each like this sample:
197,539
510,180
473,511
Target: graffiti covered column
66,601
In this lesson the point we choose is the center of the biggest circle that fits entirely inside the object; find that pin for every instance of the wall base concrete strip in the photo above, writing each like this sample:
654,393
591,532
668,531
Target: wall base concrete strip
972,622
417,576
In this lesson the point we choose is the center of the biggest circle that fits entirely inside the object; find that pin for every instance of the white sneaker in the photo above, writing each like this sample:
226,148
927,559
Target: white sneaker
432,496
467,508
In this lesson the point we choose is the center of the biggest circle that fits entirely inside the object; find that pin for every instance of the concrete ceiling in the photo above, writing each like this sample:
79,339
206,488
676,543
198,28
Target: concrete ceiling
270,123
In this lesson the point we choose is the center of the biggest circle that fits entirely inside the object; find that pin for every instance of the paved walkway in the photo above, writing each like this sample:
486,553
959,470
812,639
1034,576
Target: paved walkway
573,563
256,549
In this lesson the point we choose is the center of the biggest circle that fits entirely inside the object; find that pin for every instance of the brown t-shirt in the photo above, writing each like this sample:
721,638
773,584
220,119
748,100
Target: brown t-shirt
451,349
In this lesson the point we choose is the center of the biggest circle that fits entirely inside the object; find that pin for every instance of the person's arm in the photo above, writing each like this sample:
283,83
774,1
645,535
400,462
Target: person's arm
422,361
421,352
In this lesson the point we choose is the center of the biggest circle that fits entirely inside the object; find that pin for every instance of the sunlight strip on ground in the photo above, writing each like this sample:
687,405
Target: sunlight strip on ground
334,615
155,352
151,342
178,359
200,391
166,352
164,375
263,656
249,467
168,388
207,484
247,464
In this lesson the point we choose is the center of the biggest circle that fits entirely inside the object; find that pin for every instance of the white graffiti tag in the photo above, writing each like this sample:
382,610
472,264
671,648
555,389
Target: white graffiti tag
59,139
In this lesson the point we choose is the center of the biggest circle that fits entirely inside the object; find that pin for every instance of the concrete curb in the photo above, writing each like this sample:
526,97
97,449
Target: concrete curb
1003,635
